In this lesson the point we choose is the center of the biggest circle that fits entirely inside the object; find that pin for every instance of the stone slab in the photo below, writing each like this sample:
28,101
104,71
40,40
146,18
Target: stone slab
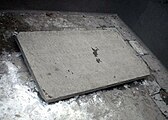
69,63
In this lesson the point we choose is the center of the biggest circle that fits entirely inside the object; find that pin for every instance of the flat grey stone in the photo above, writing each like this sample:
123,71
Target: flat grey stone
69,63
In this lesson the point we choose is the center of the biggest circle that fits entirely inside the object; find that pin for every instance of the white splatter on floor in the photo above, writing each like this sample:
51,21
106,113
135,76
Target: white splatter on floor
19,100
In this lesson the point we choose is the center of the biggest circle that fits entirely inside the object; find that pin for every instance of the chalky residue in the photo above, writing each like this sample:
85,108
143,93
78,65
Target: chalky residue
19,100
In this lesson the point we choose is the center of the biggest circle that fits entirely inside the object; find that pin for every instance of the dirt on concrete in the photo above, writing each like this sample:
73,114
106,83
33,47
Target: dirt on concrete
10,23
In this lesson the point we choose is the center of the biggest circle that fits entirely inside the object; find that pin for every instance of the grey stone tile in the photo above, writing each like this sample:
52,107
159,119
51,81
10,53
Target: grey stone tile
69,63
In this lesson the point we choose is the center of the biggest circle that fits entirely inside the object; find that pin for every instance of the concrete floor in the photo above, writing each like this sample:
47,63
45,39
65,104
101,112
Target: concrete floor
142,100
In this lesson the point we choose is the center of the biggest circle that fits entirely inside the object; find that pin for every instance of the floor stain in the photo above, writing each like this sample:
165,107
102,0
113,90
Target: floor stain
47,94
95,51
48,73
56,69
98,60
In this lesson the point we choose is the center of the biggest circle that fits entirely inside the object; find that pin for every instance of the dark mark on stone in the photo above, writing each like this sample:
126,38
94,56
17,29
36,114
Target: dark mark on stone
56,69
95,54
102,26
98,60
114,76
71,72
44,91
101,17
47,94
49,14
95,51
17,115
48,110
48,73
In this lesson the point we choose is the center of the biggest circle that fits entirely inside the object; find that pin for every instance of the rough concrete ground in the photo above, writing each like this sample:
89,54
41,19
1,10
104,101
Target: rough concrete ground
143,100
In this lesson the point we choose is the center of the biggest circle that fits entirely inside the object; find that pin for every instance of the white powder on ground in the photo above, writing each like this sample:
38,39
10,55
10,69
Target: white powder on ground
19,102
